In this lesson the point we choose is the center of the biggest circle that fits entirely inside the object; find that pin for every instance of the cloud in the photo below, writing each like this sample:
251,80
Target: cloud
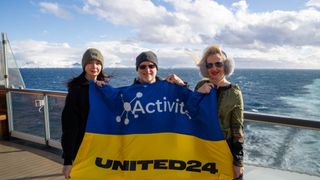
144,17
306,57
31,53
241,6
277,28
54,9
134,12
279,38
123,54
206,21
314,3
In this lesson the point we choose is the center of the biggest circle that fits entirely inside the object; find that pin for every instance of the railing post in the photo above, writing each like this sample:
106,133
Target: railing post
6,79
9,111
5,63
46,119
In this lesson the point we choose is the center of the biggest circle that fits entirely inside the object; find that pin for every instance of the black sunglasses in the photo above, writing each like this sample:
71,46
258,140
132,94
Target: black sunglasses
218,64
150,66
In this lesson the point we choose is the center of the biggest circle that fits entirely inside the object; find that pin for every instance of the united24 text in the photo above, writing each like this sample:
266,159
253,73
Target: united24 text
163,164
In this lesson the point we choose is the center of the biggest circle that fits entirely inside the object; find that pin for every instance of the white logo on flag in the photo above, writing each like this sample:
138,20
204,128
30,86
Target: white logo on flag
158,106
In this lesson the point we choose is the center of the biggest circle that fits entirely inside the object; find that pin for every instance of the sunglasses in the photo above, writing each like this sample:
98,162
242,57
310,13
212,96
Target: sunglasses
216,64
150,66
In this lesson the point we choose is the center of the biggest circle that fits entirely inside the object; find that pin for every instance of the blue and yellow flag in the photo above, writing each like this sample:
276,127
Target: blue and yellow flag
153,131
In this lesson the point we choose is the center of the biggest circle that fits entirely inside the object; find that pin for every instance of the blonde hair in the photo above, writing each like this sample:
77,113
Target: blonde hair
227,61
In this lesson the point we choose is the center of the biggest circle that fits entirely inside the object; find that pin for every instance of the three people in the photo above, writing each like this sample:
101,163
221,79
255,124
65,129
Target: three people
76,109
215,66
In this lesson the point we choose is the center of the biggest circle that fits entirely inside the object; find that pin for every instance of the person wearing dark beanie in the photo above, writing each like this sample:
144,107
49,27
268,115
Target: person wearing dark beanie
147,56
91,54
147,68
75,112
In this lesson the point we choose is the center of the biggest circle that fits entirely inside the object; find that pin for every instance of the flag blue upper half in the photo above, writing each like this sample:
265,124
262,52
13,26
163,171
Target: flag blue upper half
153,108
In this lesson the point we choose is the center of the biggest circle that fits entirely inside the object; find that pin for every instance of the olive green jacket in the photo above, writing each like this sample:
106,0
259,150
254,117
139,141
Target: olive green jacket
230,114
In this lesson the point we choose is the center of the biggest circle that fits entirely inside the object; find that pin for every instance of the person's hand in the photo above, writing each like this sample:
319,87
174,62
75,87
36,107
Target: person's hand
205,88
237,171
174,79
66,171
100,83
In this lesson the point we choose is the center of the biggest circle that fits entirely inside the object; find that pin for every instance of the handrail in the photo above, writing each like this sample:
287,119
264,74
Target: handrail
248,116
282,120
36,91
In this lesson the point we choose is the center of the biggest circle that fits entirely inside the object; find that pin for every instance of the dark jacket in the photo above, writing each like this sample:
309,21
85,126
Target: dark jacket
74,118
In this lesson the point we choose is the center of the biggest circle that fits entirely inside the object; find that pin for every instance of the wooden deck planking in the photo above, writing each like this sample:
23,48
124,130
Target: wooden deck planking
18,162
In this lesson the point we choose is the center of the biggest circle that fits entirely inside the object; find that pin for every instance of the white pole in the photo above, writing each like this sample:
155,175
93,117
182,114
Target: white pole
5,63
6,78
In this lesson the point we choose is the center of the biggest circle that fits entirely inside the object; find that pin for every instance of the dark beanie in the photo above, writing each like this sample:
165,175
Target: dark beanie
146,56
92,54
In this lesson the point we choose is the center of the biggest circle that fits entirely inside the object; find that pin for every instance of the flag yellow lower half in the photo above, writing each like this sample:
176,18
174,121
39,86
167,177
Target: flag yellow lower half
151,156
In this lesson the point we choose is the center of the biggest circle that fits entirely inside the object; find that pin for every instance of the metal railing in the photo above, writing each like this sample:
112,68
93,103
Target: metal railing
45,94
249,116
42,104
282,120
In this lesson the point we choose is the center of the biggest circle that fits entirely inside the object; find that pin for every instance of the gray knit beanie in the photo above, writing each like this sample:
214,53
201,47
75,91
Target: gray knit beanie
92,54
146,56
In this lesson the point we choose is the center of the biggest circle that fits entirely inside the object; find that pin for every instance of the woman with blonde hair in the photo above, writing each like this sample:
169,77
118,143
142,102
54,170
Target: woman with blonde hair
215,66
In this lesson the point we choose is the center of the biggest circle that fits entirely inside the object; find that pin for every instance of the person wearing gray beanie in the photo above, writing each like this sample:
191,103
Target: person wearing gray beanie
75,112
92,54
146,56
147,68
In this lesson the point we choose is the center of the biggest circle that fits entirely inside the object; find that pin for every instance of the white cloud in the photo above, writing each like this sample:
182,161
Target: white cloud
144,17
55,9
278,28
31,53
288,39
315,3
205,21
241,6
123,54
135,12
306,57
155,24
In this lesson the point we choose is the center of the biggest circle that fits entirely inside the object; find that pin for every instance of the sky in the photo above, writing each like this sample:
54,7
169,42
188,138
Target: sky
280,34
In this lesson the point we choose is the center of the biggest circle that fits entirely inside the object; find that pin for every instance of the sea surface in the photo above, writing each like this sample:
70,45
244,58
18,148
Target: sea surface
294,93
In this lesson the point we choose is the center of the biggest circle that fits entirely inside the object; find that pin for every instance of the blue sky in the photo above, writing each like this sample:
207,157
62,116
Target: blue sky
256,33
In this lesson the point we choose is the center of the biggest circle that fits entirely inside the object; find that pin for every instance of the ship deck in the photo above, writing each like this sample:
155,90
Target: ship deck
38,162
19,162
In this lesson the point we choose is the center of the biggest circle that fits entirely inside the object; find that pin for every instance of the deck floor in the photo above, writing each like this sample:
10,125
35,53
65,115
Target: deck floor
18,162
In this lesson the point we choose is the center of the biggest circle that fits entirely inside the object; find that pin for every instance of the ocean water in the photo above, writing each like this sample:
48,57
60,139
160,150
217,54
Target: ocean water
294,93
